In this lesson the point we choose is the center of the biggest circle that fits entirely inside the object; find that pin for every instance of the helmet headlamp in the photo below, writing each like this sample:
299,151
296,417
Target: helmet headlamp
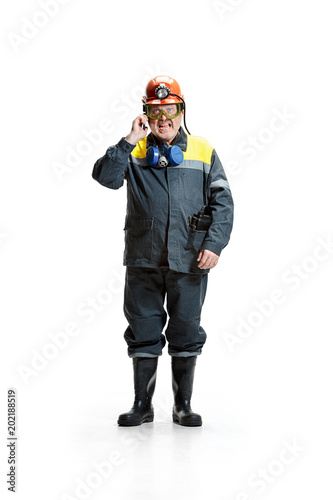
162,91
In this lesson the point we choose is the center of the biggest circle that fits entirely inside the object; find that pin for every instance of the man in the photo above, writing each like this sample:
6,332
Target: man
170,243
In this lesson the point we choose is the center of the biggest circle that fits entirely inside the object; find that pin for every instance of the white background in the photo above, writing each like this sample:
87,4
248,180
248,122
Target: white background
61,241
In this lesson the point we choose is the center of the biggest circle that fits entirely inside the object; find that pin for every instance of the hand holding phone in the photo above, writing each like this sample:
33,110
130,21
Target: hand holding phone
138,131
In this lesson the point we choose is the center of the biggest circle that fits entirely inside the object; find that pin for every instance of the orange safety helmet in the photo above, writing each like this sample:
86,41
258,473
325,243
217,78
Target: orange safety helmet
158,83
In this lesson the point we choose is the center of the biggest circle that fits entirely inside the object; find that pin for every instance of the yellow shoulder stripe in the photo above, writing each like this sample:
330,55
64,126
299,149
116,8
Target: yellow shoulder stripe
140,149
198,149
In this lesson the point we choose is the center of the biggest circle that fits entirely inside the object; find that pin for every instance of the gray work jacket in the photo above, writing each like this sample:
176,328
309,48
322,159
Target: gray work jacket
160,201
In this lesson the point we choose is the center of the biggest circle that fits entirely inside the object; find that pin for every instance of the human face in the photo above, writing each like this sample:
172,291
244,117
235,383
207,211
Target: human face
165,129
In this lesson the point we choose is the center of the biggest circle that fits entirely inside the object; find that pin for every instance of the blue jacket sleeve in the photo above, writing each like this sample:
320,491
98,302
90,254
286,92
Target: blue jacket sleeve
110,170
221,202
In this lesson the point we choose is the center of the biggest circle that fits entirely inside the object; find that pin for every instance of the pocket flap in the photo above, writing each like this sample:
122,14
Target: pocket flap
138,223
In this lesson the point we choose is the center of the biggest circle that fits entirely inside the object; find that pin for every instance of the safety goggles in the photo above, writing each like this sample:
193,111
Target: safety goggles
155,112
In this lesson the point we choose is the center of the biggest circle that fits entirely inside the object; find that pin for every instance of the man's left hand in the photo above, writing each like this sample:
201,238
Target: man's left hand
208,259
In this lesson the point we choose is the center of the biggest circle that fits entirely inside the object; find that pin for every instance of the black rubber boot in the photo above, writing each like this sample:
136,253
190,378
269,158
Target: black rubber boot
182,384
144,385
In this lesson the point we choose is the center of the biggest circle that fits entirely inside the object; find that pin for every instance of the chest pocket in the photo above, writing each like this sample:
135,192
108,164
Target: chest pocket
193,184
138,238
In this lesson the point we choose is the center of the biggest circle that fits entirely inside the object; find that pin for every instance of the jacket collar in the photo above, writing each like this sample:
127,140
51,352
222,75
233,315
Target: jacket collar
180,140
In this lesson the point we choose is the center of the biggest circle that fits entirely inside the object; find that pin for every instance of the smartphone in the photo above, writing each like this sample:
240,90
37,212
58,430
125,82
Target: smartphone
143,125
